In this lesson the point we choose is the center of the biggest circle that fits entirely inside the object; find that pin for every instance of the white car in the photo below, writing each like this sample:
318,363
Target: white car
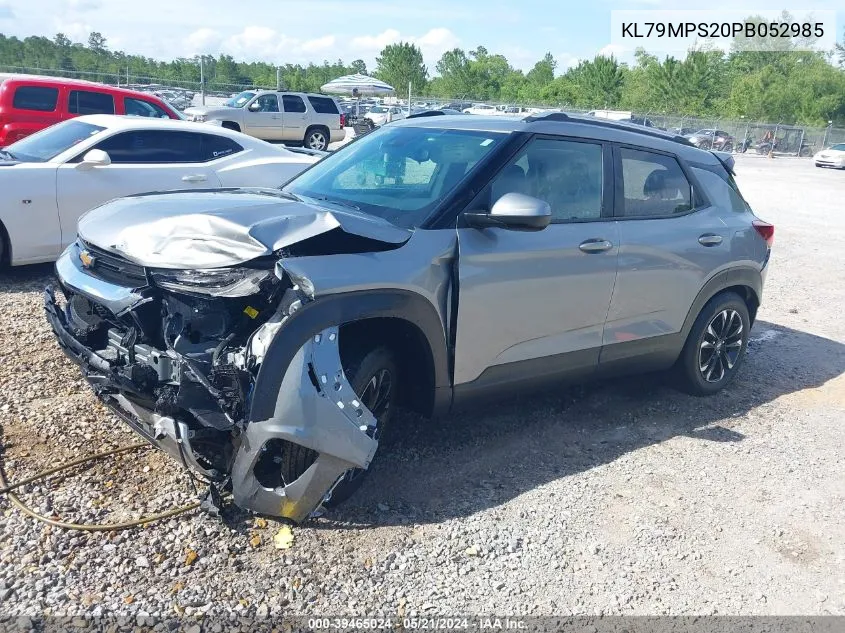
49,179
379,115
482,108
833,156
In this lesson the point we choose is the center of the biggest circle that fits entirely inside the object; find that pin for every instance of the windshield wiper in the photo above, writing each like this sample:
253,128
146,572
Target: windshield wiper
342,203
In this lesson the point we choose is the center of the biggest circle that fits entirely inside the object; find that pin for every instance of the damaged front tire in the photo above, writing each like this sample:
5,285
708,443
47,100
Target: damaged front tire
374,378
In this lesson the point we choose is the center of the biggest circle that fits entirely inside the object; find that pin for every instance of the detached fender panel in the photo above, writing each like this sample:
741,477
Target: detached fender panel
335,310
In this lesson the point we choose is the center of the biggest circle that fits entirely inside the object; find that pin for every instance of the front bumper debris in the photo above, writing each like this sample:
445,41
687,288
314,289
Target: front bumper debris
316,407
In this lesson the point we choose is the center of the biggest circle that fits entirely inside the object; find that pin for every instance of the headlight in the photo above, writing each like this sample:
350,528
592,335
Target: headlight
216,282
198,118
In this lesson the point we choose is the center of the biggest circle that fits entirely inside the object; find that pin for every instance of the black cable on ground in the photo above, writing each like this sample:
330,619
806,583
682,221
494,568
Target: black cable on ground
7,488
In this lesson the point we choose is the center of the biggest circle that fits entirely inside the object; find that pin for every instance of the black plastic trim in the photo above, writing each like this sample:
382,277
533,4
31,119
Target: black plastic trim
333,310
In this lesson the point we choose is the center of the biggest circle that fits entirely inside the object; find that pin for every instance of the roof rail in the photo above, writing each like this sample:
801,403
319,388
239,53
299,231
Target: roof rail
548,116
427,113
624,125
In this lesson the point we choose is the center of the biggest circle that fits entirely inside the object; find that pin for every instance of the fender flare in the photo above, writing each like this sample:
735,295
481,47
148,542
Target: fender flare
739,276
332,310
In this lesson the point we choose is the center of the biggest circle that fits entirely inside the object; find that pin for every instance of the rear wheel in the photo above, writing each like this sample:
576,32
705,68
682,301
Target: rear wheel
716,345
374,379
316,138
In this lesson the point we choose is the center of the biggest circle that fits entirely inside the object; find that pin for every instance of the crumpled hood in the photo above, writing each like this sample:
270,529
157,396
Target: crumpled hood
221,227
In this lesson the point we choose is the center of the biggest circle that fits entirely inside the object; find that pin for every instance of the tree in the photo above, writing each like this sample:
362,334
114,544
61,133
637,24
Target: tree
840,48
401,64
543,72
96,42
359,67
599,82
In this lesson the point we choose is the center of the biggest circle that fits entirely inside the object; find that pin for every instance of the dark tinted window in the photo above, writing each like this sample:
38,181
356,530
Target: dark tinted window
323,105
566,174
292,103
87,102
654,185
722,191
154,146
214,147
140,107
36,98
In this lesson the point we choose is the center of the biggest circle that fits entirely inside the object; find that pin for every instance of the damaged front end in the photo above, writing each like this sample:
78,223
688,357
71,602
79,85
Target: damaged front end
178,355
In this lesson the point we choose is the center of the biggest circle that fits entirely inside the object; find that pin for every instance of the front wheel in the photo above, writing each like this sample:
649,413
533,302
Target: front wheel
374,379
316,139
716,345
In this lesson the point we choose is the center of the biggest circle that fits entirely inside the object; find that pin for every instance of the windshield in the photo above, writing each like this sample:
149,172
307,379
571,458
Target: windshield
378,109
399,174
238,101
839,147
52,141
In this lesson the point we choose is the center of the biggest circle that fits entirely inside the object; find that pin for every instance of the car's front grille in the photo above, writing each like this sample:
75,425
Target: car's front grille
112,267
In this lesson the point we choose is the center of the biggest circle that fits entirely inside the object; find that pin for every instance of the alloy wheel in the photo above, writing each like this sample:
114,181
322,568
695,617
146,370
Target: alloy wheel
721,345
317,141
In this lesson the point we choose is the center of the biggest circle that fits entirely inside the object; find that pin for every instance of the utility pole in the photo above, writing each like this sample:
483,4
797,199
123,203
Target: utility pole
127,76
278,78
409,98
202,81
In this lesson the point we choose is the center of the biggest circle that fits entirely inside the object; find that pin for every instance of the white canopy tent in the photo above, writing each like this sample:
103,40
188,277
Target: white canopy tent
357,85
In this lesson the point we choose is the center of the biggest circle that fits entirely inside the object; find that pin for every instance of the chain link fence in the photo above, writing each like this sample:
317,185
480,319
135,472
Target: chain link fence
743,135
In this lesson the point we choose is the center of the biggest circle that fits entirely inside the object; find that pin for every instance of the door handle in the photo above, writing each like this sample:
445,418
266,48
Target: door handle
595,246
710,239
194,178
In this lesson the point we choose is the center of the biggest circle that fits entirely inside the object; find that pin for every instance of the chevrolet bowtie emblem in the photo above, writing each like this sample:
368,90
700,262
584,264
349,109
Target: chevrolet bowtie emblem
86,258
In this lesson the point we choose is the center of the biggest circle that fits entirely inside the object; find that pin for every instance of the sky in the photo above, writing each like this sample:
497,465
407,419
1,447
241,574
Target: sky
301,31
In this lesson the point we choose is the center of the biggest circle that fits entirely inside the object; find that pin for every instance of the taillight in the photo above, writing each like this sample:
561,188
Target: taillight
342,120
766,231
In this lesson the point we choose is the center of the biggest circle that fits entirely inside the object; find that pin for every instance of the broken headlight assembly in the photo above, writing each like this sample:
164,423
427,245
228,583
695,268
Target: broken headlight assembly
215,282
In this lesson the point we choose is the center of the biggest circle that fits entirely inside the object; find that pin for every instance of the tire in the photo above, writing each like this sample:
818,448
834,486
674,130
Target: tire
728,147
316,138
722,325
363,374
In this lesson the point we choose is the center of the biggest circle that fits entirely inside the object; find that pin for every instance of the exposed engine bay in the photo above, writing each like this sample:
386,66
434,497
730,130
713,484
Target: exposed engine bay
181,369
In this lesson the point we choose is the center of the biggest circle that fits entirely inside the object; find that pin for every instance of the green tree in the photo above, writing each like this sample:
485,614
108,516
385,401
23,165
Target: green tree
599,82
401,64
96,42
358,66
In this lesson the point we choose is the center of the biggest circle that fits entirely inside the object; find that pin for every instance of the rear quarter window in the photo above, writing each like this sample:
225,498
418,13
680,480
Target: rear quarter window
323,105
39,98
722,191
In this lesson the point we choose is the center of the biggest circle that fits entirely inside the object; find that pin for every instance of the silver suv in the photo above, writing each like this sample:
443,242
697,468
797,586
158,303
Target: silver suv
265,338
312,120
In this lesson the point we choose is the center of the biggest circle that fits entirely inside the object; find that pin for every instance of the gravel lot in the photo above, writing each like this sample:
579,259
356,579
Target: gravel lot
623,497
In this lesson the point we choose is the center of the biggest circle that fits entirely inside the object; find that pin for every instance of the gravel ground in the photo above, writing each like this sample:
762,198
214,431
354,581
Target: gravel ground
623,497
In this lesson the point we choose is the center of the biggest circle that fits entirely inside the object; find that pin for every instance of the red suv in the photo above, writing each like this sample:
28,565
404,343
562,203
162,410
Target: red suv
29,103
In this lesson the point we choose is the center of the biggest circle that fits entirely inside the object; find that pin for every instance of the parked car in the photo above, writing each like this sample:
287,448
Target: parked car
312,120
621,115
712,139
833,156
29,103
379,115
49,179
481,108
523,277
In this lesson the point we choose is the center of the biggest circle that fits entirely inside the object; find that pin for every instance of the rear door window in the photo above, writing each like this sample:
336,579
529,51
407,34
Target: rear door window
90,102
40,98
654,185
323,105
292,103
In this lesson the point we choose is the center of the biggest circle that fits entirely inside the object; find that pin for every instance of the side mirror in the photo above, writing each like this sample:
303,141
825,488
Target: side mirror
95,158
254,106
514,211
